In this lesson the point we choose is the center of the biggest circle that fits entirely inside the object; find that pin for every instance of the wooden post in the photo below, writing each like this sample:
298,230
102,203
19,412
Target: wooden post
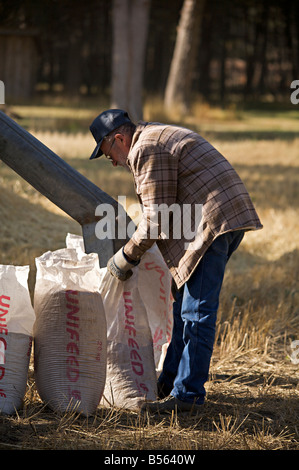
61,184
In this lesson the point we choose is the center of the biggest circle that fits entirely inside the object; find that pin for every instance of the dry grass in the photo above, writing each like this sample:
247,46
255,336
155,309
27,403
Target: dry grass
252,396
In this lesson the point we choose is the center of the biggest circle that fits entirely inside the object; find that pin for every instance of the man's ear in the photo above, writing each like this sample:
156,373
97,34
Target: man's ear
119,137
124,139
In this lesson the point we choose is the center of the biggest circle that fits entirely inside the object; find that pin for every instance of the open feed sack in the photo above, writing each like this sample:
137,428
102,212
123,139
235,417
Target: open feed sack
137,312
16,329
70,331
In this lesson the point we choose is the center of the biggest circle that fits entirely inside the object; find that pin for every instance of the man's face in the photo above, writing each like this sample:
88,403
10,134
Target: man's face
116,149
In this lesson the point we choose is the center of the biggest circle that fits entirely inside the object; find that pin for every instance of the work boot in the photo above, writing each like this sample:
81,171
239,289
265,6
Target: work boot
170,404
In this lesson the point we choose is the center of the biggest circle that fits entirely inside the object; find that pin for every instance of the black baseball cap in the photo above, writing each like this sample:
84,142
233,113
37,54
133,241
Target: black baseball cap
105,123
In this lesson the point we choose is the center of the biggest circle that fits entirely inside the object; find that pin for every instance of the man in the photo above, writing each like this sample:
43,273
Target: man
178,168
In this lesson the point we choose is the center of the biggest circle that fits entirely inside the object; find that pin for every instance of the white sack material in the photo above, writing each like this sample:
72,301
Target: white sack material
70,331
74,242
137,313
131,375
16,328
154,286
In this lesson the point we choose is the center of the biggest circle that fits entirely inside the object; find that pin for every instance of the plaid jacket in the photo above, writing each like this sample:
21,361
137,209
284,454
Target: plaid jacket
173,165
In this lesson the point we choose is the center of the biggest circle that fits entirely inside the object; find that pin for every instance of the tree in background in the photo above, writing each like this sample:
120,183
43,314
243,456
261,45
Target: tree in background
130,27
183,62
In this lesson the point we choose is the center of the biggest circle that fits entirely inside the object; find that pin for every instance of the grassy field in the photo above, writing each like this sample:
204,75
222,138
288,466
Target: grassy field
253,393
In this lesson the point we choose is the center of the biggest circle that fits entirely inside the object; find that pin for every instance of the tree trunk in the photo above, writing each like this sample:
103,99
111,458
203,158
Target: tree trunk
138,39
182,65
120,54
130,27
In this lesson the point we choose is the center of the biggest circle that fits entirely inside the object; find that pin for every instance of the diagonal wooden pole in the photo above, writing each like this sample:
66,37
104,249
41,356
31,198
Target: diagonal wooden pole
61,184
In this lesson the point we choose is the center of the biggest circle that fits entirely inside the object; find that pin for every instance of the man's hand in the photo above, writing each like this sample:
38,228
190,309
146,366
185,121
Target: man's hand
120,266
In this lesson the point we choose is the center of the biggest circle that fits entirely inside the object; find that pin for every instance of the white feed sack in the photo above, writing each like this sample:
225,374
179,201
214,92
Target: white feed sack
138,313
70,331
131,375
16,328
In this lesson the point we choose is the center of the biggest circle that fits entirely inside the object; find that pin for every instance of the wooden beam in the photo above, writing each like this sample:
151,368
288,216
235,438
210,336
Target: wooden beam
61,184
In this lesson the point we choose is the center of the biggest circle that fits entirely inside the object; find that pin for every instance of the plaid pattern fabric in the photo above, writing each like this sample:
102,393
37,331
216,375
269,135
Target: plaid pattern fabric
173,165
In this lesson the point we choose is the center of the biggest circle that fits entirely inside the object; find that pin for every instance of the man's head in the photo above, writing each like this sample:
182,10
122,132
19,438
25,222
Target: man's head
112,128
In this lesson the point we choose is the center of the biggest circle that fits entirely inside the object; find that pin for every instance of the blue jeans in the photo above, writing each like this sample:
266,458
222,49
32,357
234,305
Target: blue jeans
187,362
